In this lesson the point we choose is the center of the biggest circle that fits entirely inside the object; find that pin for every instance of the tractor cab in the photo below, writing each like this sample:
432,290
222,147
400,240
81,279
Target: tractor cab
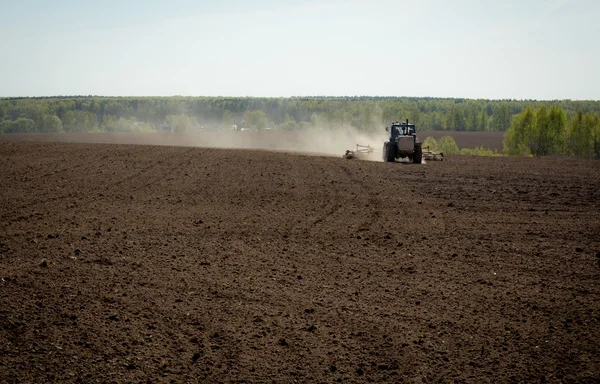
403,143
402,129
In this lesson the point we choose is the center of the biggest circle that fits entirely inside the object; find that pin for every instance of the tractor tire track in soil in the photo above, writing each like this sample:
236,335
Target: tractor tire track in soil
122,263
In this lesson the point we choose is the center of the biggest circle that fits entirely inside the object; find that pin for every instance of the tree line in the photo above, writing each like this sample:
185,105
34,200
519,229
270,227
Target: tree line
122,114
547,131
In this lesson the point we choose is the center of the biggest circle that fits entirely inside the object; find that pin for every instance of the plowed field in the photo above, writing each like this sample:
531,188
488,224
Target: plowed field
152,264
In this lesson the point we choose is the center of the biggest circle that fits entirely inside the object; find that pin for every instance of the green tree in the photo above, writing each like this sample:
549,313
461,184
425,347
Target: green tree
80,121
483,121
447,145
181,122
537,142
431,144
288,125
52,123
227,119
501,118
517,137
4,125
69,121
548,133
594,121
437,119
4,110
557,129
257,119
109,123
455,119
471,117
580,137
21,125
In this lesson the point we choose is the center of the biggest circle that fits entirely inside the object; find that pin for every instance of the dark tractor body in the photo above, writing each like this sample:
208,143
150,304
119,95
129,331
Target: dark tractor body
403,143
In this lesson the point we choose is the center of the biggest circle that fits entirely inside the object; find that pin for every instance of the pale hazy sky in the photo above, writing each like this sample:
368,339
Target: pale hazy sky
528,49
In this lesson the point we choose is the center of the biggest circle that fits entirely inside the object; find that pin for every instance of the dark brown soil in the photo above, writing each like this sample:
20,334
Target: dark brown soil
142,264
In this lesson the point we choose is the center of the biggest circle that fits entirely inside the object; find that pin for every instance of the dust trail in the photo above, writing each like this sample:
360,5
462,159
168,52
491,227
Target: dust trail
315,142
319,142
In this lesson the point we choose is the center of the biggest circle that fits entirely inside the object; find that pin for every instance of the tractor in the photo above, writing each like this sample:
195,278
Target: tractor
403,143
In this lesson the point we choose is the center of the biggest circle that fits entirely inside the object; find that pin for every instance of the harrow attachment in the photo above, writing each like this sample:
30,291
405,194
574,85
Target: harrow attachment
362,152
432,156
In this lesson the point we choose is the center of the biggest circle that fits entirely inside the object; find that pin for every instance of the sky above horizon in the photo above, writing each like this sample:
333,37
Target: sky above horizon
528,49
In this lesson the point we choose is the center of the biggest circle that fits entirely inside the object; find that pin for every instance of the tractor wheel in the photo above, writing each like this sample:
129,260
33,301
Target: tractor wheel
389,153
418,155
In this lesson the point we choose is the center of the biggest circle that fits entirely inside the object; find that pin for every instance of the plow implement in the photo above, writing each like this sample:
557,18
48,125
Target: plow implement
432,156
362,152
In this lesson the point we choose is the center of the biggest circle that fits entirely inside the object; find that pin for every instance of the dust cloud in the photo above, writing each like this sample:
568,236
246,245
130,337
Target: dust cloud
319,142
313,142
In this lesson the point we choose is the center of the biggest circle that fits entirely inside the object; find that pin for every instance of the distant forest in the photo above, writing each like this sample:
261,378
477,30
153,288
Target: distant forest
130,114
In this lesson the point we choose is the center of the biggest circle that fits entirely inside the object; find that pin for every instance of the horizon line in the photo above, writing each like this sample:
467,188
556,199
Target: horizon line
294,97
